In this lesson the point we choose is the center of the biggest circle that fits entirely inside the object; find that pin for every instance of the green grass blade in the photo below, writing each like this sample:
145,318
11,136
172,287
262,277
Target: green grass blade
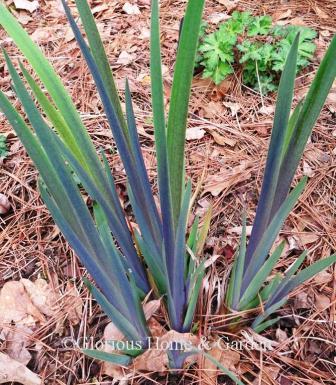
179,100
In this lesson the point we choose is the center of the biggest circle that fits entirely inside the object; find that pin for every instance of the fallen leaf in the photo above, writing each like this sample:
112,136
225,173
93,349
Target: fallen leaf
227,357
306,238
13,371
24,304
17,339
220,139
194,133
301,301
323,277
266,110
73,304
216,18
99,8
320,13
131,9
16,306
226,179
124,58
4,204
26,5
322,302
267,373
230,5
41,35
69,35
234,107
282,15
239,229
112,333
307,170
41,295
156,358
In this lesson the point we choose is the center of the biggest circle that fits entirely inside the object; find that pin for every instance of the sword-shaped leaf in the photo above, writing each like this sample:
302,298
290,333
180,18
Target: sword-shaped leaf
260,254
274,157
179,100
305,122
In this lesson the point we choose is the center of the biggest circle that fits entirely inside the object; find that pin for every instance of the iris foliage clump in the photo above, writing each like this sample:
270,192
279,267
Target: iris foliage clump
256,45
162,256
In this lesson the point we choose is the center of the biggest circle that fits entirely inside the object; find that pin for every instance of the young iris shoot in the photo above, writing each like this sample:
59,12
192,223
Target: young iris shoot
249,285
125,263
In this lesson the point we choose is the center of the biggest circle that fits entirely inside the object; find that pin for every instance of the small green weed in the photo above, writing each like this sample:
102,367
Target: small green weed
254,43
3,147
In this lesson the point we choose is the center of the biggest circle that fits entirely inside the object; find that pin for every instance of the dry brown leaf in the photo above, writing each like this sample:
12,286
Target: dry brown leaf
125,58
23,303
4,204
306,238
41,295
194,133
267,110
323,277
230,5
73,304
320,13
156,359
16,305
131,9
13,371
239,229
112,333
220,139
26,5
16,341
218,17
322,302
99,8
268,373
227,357
41,35
234,107
282,15
226,179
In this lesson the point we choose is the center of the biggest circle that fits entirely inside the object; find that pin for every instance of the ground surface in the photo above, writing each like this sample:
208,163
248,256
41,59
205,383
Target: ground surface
31,247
